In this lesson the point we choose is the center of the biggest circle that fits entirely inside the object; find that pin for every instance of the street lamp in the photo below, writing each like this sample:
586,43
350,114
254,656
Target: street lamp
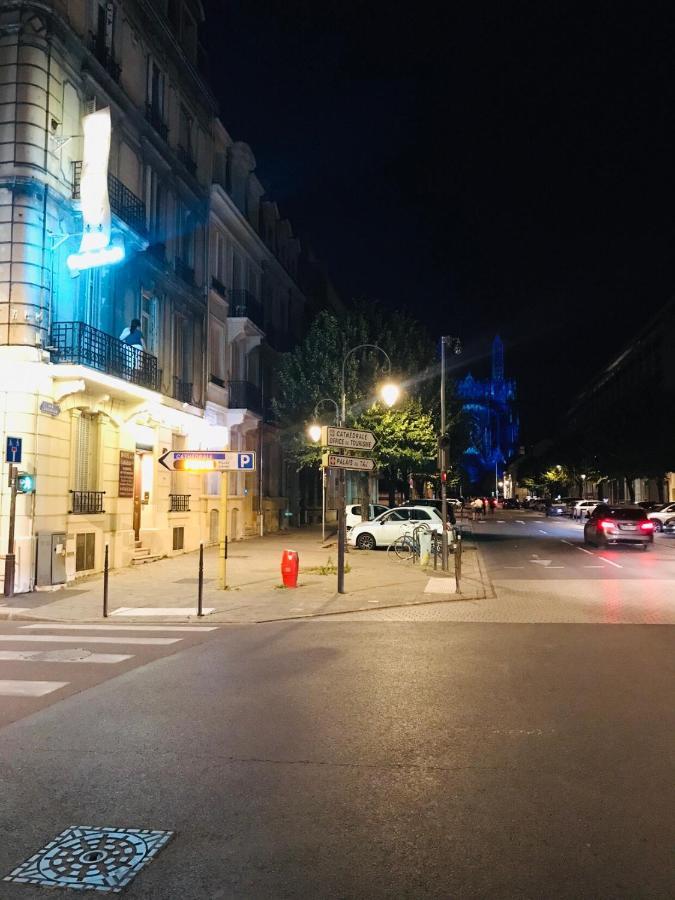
390,393
455,346
314,432
583,487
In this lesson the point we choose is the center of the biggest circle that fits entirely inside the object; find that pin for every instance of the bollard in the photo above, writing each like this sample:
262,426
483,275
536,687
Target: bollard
290,565
200,581
435,553
105,583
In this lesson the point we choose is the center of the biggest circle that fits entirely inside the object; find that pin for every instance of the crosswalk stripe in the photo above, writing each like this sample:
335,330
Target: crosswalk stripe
170,628
39,656
29,688
87,639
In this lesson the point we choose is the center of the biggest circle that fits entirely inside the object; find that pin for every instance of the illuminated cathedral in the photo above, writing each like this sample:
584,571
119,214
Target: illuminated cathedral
493,422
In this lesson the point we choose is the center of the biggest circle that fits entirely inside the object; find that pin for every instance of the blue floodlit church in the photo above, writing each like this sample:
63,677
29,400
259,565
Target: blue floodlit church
493,421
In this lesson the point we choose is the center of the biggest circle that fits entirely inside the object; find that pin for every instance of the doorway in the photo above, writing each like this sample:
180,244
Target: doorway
213,526
138,487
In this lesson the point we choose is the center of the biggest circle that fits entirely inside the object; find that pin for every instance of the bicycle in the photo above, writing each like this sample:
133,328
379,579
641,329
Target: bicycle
407,546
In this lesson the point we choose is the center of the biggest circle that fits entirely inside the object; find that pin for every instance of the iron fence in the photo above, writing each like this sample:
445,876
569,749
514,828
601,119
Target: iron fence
87,502
79,343
179,502
123,202
244,305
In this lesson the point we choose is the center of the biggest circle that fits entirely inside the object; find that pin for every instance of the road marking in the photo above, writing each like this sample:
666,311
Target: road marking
519,522
29,688
87,639
566,542
543,562
616,565
160,611
122,627
594,567
511,567
501,521
39,656
541,531
584,550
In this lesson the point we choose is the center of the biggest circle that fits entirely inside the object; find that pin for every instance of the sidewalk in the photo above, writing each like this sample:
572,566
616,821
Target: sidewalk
255,592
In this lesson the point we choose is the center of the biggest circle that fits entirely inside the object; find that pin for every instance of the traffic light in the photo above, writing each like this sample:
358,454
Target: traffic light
25,483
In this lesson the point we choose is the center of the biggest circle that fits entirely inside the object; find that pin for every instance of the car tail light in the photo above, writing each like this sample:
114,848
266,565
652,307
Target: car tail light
606,523
646,526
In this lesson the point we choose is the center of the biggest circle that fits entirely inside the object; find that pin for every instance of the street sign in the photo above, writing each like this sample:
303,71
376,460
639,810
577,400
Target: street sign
359,463
349,438
13,452
208,460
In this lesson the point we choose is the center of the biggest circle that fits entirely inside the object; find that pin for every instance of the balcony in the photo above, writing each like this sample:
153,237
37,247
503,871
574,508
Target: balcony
123,202
182,390
244,305
185,272
79,343
156,119
185,156
245,395
87,503
104,55
179,502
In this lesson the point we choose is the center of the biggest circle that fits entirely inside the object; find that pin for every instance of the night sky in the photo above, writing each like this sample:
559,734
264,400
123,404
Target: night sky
486,166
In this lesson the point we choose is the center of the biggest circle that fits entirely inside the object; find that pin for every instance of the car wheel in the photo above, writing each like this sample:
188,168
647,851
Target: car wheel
670,523
658,526
366,541
645,547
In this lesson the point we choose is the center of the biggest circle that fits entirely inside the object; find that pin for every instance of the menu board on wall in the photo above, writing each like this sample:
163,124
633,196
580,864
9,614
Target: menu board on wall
126,479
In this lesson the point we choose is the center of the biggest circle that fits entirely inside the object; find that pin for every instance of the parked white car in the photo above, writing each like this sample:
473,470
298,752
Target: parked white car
663,516
393,523
353,513
584,508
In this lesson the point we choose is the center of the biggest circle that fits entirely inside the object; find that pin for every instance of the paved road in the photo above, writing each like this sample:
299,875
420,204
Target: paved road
350,760
42,664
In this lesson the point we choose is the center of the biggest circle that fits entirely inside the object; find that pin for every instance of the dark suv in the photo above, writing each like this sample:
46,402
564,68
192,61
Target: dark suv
619,525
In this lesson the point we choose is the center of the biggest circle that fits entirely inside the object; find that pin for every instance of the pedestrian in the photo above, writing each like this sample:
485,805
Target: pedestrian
476,507
493,505
484,505
133,336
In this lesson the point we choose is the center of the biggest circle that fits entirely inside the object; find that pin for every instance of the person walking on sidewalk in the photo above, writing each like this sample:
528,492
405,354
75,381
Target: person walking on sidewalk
476,508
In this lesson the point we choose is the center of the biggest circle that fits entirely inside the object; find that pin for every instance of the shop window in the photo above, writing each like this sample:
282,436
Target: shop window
84,551
178,538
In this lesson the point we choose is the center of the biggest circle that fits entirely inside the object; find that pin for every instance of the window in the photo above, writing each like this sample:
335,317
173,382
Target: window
85,545
104,13
185,131
217,351
86,452
156,89
178,538
419,514
149,321
179,325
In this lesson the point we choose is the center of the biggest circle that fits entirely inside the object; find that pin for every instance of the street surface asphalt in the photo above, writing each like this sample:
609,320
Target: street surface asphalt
344,759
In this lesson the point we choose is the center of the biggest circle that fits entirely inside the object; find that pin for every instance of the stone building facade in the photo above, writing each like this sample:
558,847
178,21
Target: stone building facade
200,259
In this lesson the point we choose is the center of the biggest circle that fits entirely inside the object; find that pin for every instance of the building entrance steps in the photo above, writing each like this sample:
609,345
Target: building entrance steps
255,590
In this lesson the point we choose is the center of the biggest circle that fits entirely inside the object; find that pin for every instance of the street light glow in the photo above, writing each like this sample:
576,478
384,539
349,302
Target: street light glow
389,393
314,432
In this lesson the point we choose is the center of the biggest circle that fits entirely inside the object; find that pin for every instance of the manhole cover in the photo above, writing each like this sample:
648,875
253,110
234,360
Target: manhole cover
91,859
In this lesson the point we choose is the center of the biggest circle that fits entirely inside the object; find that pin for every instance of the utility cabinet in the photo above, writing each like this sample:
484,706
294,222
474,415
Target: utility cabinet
51,558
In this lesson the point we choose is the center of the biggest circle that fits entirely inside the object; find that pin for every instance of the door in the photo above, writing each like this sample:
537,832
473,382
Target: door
137,495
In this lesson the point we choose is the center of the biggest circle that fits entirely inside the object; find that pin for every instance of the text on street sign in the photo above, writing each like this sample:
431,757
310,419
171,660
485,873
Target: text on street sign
358,463
208,460
351,438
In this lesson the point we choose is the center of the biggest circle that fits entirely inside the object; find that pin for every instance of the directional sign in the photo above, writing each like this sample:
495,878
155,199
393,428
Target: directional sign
13,451
350,438
208,460
360,464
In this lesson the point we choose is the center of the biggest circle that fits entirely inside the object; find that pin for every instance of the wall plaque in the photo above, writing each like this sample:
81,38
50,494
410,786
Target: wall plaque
126,477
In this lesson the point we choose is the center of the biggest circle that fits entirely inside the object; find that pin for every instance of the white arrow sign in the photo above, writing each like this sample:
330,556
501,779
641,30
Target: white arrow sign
205,460
349,438
360,464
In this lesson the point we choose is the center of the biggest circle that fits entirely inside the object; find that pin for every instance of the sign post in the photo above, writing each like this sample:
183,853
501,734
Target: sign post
222,461
10,558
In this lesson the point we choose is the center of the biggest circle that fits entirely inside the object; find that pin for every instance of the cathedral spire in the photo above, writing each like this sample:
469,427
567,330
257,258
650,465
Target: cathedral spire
497,359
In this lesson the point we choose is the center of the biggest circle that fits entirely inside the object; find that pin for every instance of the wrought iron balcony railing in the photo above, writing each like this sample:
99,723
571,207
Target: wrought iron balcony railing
87,502
156,119
79,343
244,305
245,395
185,272
104,55
123,202
182,390
179,502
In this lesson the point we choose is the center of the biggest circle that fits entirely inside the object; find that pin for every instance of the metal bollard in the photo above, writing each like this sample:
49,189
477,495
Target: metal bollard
200,581
105,583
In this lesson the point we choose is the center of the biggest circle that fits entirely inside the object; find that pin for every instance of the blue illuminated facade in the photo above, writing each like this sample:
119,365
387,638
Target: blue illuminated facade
493,422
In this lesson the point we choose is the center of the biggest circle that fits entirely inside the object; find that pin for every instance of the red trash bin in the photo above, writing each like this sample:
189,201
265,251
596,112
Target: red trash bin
290,564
